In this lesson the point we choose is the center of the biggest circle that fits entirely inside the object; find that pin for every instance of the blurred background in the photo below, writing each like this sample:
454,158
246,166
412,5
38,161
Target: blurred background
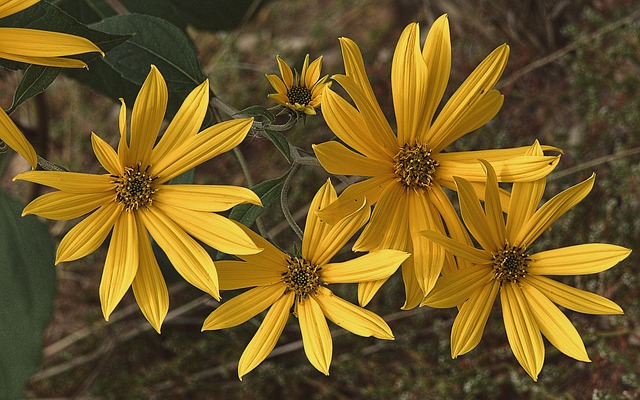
572,81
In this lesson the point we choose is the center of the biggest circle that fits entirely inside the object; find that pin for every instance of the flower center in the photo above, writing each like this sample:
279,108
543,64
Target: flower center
299,95
510,264
414,166
301,277
134,188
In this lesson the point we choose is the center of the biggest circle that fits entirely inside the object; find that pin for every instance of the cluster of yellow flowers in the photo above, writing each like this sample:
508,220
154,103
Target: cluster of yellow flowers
413,225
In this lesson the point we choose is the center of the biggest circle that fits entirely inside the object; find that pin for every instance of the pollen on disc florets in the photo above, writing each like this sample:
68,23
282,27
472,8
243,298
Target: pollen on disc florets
301,277
510,264
414,167
134,188
299,95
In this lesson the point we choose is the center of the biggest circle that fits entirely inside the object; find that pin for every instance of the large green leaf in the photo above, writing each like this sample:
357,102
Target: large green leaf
268,191
216,15
27,288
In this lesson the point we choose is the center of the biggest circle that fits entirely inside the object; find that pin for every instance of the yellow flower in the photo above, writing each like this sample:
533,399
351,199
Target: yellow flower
134,201
40,47
11,135
409,169
504,266
288,284
301,93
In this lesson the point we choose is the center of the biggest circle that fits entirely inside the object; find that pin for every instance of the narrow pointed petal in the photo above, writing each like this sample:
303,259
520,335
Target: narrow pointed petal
437,56
121,264
572,298
349,125
240,274
89,234
494,155
243,307
185,124
202,147
209,198
469,324
279,86
492,205
466,98
522,330
582,259
285,72
316,337
551,211
474,217
149,287
123,146
314,229
312,74
456,287
107,157
270,256
10,7
267,335
11,135
57,62
65,206
409,86
376,265
187,256
458,249
368,289
517,169
147,117
337,159
356,320
72,182
212,229
413,292
555,326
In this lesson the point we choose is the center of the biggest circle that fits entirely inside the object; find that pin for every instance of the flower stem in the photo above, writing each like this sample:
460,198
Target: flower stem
284,202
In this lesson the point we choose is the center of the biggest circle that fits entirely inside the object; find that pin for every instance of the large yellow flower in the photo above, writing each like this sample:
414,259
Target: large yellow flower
504,266
40,47
288,283
301,93
408,170
134,201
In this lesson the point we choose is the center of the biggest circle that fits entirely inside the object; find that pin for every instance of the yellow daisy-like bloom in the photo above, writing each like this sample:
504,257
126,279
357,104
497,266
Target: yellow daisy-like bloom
288,284
134,201
408,170
40,47
11,135
504,266
301,93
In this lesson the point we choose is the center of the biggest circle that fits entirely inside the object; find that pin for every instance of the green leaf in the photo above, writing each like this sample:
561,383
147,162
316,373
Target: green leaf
258,112
34,81
27,289
86,11
153,41
268,191
215,15
280,142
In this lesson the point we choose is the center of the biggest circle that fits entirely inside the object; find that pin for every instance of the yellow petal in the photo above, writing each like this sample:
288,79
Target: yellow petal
57,62
572,298
337,159
269,257
147,116
522,330
285,72
149,287
492,205
316,337
466,98
65,206
474,217
11,135
312,74
577,260
202,147
522,168
89,234
123,147
315,229
357,320
243,307
72,182
185,124
349,125
409,86
121,264
209,198
437,56
212,229
267,335
493,155
551,211
456,287
278,85
105,154
373,266
461,250
555,326
10,7
368,289
413,293
469,324
187,256
240,274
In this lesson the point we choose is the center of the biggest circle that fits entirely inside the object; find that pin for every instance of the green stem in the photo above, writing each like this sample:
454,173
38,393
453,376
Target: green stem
284,202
